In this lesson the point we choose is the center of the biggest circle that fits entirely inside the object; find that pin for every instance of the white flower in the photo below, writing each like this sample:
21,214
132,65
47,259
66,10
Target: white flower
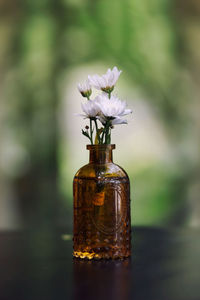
111,109
90,109
85,89
105,82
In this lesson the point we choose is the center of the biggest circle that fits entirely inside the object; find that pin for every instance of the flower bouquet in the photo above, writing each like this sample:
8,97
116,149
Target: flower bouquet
106,108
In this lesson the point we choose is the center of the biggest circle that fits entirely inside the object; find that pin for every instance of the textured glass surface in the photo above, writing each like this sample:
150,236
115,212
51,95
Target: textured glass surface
102,227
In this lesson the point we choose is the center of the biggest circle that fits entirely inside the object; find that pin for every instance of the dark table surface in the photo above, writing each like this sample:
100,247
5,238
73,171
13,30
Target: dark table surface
165,264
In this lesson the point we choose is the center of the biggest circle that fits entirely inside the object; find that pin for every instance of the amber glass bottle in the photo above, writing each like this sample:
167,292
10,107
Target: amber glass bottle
102,227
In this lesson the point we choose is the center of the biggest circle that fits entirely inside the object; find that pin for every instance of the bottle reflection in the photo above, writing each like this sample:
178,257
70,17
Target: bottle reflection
102,279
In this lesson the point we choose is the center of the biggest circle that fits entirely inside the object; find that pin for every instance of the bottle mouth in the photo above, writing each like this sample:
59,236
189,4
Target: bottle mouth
101,147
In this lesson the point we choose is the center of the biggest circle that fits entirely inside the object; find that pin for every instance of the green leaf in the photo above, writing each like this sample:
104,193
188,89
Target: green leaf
85,133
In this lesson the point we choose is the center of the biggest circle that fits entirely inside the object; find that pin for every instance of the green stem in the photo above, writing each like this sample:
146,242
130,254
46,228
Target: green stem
107,131
91,139
97,130
102,137
110,135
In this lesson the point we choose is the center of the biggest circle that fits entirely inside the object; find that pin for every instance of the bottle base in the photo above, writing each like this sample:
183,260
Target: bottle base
98,256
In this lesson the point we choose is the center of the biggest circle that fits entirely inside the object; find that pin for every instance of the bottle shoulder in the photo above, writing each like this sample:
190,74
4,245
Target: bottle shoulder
101,170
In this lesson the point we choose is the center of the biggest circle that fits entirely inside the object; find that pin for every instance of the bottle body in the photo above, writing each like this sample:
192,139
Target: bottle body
102,227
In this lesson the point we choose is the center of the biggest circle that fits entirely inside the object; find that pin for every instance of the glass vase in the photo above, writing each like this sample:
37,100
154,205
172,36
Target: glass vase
101,192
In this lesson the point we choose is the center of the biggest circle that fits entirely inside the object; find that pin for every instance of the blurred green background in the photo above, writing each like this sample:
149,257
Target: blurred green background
46,48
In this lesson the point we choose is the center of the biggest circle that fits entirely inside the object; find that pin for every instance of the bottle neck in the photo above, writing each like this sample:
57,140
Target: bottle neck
100,154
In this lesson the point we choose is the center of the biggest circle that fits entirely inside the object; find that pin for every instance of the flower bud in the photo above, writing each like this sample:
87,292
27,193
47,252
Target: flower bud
86,94
85,89
108,89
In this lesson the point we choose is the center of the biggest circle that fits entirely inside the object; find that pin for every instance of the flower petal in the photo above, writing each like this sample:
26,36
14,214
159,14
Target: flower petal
118,121
126,112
